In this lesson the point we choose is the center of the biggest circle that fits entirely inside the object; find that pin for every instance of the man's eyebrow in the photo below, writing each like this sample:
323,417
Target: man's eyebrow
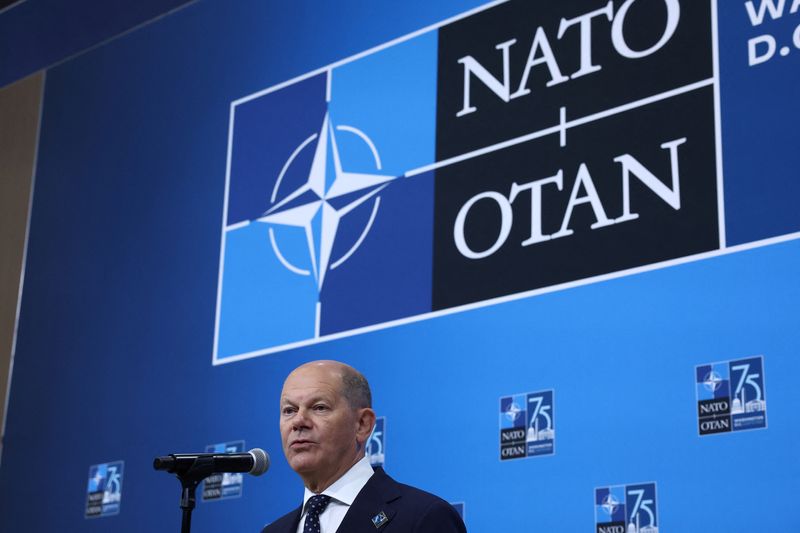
321,397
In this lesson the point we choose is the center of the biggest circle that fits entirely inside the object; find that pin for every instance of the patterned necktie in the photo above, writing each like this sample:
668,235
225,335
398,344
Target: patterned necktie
315,505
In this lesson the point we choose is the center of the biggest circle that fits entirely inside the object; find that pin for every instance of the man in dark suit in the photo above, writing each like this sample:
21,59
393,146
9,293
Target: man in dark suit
326,419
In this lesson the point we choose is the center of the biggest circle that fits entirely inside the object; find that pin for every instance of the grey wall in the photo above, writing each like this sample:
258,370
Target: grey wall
19,122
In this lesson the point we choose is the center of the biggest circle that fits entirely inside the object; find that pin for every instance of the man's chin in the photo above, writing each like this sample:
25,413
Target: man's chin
302,462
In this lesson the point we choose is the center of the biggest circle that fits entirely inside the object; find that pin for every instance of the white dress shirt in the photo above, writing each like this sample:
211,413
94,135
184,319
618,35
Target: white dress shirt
343,492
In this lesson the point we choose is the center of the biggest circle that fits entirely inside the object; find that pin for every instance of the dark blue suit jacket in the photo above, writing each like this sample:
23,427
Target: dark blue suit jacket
406,508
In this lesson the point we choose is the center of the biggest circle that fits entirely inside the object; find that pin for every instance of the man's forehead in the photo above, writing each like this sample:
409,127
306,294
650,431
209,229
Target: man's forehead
312,381
290,390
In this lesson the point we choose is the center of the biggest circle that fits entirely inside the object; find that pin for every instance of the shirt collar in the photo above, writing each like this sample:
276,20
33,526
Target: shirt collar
346,488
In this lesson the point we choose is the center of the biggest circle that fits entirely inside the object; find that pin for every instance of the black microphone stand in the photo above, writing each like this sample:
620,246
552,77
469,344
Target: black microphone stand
200,469
202,465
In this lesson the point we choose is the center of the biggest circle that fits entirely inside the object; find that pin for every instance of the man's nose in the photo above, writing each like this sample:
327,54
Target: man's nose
300,420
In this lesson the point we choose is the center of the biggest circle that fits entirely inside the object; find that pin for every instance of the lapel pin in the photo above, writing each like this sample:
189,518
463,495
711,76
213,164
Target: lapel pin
379,520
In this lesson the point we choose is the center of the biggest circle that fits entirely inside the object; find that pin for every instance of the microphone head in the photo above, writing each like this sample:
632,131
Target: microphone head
260,461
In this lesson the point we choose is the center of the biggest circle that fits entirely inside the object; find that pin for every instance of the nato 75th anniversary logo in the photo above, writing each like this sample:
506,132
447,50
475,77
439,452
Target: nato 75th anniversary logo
104,489
376,444
626,509
731,396
465,163
527,425
223,485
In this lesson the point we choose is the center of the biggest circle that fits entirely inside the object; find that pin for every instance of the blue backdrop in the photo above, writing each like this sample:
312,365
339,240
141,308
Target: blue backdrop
126,349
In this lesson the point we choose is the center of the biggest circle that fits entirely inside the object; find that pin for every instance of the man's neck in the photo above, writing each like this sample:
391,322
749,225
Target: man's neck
317,485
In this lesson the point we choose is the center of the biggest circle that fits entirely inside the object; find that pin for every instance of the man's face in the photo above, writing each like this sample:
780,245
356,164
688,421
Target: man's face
319,429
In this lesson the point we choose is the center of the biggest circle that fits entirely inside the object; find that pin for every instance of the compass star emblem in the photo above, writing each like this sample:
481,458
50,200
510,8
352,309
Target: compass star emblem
610,504
513,412
98,478
327,196
712,381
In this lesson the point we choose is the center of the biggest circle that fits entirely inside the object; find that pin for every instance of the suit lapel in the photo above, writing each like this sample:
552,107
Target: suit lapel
372,509
295,521
287,523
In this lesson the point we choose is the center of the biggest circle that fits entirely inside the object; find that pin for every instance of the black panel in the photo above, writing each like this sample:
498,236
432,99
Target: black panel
660,232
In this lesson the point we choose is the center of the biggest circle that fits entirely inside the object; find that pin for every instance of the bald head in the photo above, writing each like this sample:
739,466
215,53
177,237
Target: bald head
354,386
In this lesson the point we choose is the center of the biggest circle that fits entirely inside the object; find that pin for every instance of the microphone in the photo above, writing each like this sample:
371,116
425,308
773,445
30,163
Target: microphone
254,462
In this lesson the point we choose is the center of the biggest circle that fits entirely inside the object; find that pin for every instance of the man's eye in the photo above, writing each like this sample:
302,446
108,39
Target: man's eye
287,410
320,407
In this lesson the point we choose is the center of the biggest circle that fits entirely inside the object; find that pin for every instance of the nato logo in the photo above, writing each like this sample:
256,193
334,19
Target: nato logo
378,190
324,231
626,509
527,425
376,444
226,485
731,396
104,490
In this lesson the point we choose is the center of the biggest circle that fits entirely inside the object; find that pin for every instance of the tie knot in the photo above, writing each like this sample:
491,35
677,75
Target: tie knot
317,503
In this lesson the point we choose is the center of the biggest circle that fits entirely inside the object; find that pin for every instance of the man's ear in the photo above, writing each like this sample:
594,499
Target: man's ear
365,423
